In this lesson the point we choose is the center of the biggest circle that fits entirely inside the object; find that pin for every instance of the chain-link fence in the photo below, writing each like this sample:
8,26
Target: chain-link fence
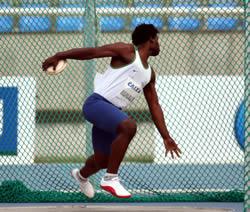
246,106
200,84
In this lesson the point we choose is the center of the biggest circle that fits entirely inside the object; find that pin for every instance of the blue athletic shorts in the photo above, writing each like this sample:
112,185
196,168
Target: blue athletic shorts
105,118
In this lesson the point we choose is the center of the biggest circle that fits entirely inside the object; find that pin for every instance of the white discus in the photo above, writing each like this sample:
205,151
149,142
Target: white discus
59,68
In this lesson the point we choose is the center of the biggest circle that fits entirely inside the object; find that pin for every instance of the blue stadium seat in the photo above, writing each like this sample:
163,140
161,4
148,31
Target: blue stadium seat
223,23
156,21
5,5
222,3
34,23
70,23
111,3
71,3
112,24
184,23
6,22
186,3
148,3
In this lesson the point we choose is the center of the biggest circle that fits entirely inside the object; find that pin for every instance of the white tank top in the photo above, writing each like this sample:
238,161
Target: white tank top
122,85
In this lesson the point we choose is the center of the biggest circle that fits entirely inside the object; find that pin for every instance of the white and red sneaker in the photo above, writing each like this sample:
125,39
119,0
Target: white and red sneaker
113,186
85,186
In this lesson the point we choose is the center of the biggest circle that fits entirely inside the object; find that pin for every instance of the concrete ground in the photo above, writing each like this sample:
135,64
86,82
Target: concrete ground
130,207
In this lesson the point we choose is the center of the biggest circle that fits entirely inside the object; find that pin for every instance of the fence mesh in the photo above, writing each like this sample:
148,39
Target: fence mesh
200,84
247,109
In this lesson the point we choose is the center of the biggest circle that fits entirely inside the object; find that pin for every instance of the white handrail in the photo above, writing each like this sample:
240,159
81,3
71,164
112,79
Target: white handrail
235,11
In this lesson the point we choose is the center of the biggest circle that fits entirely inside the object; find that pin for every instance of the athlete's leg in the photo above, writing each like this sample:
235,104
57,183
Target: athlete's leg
110,182
93,164
111,120
125,133
101,141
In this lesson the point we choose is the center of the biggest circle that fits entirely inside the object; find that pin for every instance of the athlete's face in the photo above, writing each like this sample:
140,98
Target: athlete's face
155,47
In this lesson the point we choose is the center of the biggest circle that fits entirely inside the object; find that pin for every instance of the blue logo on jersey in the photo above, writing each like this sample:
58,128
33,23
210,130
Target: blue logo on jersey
134,87
8,119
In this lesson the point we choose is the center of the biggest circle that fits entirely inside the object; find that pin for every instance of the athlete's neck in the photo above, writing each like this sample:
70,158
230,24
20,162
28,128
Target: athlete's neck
144,54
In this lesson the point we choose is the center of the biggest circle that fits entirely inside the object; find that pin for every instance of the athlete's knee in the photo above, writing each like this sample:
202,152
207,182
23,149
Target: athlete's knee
128,128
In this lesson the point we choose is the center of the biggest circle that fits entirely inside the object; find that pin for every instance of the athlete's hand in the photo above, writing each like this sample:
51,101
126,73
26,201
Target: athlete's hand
51,61
171,147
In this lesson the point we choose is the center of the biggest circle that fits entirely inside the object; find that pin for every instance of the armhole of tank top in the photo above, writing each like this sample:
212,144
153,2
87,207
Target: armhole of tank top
150,77
139,58
132,61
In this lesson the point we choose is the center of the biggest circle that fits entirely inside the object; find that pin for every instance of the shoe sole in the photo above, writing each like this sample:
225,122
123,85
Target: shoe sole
112,191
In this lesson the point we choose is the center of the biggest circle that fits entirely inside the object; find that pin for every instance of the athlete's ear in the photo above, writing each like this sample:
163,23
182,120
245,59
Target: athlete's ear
151,40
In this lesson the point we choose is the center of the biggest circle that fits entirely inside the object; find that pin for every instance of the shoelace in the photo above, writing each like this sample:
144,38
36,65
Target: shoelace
117,179
81,180
108,178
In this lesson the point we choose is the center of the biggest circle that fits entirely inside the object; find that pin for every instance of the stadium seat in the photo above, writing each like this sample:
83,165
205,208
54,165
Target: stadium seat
223,23
70,23
111,3
186,3
34,23
222,3
184,23
71,3
6,22
148,3
156,21
112,24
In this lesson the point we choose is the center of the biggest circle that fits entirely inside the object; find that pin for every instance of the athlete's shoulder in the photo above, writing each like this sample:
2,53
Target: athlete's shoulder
126,47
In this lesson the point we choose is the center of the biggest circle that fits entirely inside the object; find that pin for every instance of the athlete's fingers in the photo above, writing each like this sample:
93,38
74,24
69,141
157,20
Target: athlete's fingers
166,153
179,150
177,153
172,154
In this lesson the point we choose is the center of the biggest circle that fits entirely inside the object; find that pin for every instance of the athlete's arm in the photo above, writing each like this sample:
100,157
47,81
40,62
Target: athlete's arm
110,50
158,117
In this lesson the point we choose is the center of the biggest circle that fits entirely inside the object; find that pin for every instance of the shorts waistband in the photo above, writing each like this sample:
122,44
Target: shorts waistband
96,95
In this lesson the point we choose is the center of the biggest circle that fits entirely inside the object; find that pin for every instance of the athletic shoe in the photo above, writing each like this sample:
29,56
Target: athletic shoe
85,186
113,186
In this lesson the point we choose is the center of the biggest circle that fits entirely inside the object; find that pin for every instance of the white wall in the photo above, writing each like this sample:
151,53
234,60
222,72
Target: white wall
200,113
26,119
